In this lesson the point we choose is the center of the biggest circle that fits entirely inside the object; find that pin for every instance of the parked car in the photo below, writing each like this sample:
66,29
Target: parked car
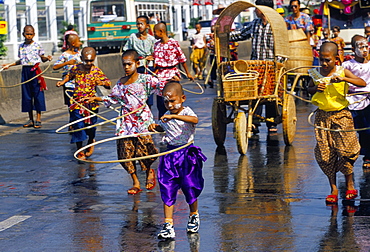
238,26
245,24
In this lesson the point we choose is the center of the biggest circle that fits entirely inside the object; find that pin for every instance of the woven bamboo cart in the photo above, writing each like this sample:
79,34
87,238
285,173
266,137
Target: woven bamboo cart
244,84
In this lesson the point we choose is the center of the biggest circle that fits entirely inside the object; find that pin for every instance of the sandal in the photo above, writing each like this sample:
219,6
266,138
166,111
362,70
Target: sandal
37,125
354,194
81,156
90,150
28,124
366,164
273,129
151,182
331,199
134,190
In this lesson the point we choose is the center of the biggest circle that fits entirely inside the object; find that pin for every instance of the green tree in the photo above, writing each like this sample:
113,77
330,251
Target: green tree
3,48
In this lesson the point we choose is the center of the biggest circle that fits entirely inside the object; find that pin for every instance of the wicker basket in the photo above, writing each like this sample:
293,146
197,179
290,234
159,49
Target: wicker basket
242,86
267,74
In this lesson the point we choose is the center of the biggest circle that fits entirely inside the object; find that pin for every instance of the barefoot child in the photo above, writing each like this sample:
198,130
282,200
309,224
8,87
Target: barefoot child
30,54
181,169
360,104
87,77
334,151
66,60
198,44
132,92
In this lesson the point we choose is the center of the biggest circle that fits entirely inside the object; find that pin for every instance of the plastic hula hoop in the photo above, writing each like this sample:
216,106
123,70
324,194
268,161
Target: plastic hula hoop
333,130
200,86
92,115
19,84
128,159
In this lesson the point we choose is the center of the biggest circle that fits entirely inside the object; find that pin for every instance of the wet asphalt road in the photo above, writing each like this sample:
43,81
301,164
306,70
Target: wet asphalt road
272,199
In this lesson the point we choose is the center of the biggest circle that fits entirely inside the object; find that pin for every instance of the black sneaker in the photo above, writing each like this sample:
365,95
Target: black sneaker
167,232
193,223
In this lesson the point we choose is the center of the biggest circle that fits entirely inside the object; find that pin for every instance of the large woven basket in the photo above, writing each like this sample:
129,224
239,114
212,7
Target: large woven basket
300,51
266,80
238,87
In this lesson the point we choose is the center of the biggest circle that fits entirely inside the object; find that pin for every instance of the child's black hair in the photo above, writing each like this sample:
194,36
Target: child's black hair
174,85
144,17
30,26
329,46
354,38
131,52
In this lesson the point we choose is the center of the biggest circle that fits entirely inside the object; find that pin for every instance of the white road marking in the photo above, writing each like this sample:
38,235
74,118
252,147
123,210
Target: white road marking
205,125
12,221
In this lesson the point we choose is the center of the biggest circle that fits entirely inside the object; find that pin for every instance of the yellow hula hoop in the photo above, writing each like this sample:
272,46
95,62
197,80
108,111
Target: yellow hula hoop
52,78
290,93
200,86
333,130
192,92
82,119
19,84
127,159
92,115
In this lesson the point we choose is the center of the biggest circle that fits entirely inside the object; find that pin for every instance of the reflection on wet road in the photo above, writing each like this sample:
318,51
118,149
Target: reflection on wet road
271,199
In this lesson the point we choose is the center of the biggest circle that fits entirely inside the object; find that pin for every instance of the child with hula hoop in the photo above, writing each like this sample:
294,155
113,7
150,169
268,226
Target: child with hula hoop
181,169
335,151
87,77
132,92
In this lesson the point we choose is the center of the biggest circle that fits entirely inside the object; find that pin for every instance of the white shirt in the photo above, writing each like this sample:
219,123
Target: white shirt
198,40
362,70
179,132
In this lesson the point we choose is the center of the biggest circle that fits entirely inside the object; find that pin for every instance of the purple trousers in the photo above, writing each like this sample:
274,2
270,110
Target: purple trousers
181,170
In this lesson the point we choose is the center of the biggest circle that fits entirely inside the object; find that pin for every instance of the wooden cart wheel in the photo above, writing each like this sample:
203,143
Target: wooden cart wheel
289,119
240,132
219,122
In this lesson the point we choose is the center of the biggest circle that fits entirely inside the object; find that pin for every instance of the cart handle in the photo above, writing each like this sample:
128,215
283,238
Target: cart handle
250,75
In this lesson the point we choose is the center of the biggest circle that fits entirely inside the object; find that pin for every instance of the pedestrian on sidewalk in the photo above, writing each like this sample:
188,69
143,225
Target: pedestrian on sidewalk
30,55
87,77
334,151
181,169
131,92
360,104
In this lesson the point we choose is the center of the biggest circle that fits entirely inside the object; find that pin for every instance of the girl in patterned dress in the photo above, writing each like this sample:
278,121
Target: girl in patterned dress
30,54
335,150
132,92
181,169
87,77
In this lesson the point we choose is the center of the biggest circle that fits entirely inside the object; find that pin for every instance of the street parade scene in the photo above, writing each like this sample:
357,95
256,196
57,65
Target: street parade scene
192,125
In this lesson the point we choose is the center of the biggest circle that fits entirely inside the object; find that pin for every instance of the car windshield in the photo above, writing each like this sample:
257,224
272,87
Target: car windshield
106,11
205,23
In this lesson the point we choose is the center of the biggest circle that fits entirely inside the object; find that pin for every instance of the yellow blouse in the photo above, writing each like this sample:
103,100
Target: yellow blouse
333,98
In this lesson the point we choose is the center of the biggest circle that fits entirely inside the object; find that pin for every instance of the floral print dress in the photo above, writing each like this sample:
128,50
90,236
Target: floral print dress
86,83
132,97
